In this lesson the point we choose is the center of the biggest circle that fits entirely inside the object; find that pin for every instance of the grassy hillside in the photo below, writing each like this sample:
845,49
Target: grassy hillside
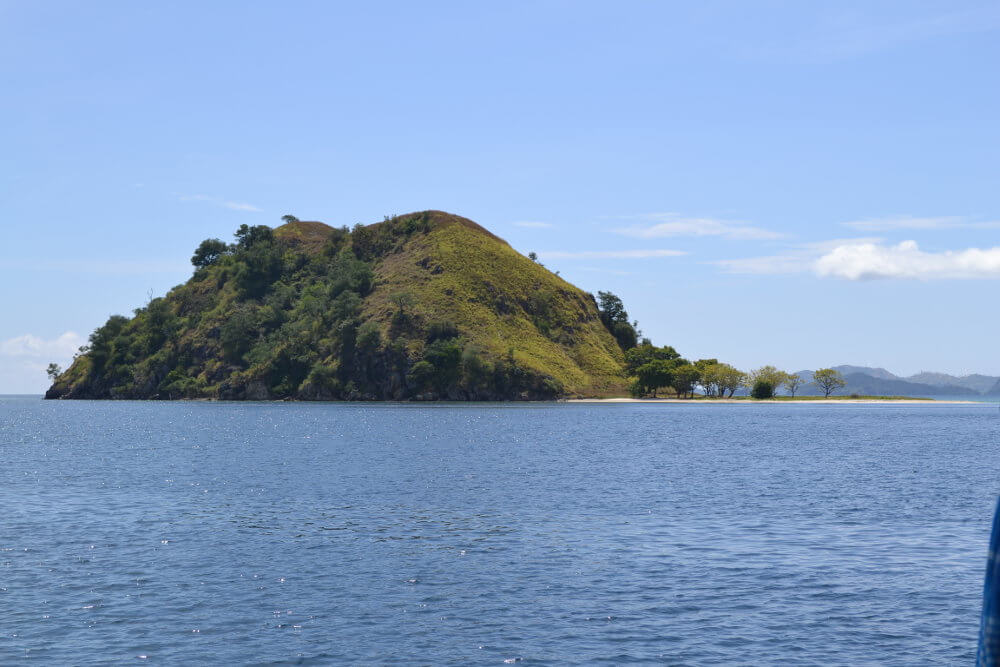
427,305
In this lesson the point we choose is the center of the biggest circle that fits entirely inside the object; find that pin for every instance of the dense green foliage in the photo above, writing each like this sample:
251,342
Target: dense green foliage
656,368
615,318
762,389
208,252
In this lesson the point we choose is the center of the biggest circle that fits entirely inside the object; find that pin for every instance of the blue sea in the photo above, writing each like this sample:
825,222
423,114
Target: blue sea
291,533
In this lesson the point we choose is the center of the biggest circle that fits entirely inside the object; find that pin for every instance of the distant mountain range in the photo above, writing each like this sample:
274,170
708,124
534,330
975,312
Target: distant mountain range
868,381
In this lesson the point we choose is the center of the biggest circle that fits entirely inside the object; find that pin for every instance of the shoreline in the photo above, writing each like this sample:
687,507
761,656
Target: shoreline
819,401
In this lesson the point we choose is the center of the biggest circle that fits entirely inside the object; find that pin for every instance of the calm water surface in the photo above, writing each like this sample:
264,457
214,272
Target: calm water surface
482,534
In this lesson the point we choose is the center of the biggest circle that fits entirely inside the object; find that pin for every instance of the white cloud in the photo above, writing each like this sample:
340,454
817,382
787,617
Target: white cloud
911,222
670,225
219,201
530,224
23,360
797,259
610,254
872,260
35,347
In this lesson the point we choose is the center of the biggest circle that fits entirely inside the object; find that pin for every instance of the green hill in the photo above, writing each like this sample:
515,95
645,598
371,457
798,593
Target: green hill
421,306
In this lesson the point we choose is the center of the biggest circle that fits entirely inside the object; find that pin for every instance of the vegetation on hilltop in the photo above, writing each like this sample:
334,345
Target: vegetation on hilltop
420,306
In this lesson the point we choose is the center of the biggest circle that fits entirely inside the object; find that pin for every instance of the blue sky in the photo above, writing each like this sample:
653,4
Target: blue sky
800,184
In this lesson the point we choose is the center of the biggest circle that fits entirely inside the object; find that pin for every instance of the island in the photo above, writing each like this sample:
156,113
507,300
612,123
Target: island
422,306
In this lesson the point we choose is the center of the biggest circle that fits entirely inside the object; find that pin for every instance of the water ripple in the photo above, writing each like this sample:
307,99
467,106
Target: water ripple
538,534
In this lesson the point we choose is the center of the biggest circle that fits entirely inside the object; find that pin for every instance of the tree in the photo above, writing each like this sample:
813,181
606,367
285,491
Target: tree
615,320
533,256
445,356
612,309
401,318
402,300
657,373
208,252
288,218
829,381
768,374
643,354
719,380
792,383
686,376
707,376
730,379
259,263
247,236
53,371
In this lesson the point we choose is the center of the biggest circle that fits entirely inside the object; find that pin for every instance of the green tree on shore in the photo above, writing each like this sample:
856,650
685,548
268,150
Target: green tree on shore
792,384
686,376
656,374
768,375
719,380
645,353
829,381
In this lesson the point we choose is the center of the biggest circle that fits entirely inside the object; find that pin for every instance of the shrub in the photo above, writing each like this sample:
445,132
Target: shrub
369,336
637,389
441,331
324,377
762,389
421,374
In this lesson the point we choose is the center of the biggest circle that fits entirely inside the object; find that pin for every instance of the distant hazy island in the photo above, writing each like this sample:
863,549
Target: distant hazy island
424,306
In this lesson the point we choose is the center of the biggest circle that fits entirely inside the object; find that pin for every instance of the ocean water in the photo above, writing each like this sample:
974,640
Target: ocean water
282,533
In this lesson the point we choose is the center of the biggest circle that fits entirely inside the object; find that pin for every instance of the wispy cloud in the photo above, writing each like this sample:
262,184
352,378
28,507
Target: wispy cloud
845,34
531,224
110,267
240,206
610,254
910,222
871,261
668,225
36,347
611,272
219,201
